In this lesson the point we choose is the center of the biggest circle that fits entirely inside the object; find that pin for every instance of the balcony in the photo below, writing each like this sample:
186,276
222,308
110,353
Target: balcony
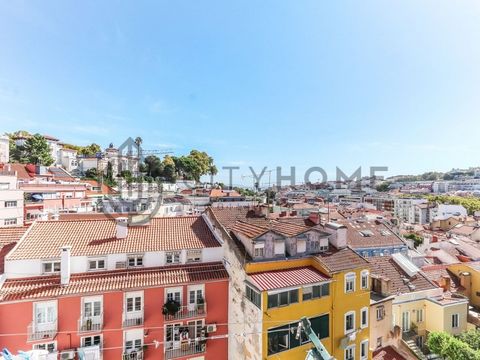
90,323
45,331
187,348
189,311
133,355
90,352
131,320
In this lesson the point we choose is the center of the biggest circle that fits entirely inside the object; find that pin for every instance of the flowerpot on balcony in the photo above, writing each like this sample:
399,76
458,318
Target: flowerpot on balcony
201,306
171,307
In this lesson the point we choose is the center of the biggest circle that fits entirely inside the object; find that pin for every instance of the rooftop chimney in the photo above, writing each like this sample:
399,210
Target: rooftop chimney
314,217
65,265
122,227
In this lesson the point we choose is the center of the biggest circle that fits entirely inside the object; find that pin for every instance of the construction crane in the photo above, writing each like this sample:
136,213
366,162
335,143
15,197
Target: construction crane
319,352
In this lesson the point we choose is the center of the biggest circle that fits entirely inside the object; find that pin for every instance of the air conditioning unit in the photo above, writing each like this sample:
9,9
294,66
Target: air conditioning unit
211,328
67,355
121,265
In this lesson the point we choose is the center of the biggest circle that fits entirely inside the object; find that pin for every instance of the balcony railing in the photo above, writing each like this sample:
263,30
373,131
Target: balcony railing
132,320
190,347
90,323
133,355
189,311
90,352
42,332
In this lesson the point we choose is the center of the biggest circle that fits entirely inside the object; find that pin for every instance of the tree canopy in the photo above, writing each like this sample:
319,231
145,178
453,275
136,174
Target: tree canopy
450,347
35,151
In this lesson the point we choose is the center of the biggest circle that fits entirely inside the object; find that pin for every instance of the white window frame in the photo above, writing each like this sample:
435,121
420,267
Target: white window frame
91,337
364,276
91,299
350,278
174,290
364,347
175,257
380,310
52,264
364,325
136,257
351,349
194,255
11,203
96,261
10,221
44,346
420,316
45,304
455,323
195,288
134,295
348,331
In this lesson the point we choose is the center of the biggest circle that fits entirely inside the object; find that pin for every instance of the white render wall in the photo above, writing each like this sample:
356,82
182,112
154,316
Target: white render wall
79,264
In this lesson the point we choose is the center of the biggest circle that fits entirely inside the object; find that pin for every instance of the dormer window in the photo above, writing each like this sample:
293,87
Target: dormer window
96,264
50,267
172,257
135,260
194,255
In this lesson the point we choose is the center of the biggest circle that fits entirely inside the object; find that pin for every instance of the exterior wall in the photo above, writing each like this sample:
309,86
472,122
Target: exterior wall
276,317
17,316
15,212
4,149
411,307
381,251
381,328
439,318
79,264
472,285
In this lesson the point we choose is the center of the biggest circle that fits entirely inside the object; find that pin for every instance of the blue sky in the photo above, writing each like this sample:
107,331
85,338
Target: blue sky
270,83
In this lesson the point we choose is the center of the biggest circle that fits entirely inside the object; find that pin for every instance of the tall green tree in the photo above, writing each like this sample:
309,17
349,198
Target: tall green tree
37,151
138,143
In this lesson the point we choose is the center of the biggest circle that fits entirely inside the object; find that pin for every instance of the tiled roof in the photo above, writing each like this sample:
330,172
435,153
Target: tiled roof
105,189
435,272
99,282
279,279
385,266
8,239
11,234
22,173
215,193
98,237
227,217
285,228
387,353
340,260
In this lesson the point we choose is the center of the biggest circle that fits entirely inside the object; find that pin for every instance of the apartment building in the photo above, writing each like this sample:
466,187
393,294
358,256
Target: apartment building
11,199
418,306
406,210
284,269
108,289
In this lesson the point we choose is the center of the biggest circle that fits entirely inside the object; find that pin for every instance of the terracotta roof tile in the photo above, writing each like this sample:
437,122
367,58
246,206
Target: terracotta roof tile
387,353
340,260
385,266
98,237
8,239
99,282
279,279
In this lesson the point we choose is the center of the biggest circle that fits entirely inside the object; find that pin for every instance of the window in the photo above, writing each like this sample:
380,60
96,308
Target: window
51,267
131,345
92,307
50,347
364,317
349,322
135,260
316,291
350,282
283,298
419,315
194,256
455,321
254,296
133,303
284,337
172,257
380,312
4,186
172,335
364,282
379,342
91,340
350,353
174,294
10,204
97,264
364,350
258,252
11,221
45,312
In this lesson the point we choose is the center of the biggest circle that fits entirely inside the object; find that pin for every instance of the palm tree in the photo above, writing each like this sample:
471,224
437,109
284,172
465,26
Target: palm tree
138,142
